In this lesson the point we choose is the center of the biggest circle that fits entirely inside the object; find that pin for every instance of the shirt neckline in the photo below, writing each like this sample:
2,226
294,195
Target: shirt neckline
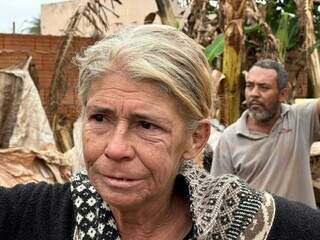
242,128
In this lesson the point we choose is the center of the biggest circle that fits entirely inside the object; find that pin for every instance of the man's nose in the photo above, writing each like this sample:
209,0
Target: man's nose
119,145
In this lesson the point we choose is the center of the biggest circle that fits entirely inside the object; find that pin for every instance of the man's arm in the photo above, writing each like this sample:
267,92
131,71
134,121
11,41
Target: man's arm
308,119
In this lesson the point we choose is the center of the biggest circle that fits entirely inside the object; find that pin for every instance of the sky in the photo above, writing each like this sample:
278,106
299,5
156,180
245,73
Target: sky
20,12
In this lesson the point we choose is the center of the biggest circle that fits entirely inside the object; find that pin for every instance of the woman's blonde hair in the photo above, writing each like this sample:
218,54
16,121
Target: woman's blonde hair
157,53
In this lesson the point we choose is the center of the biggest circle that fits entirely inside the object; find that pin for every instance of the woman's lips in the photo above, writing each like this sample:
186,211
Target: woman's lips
120,182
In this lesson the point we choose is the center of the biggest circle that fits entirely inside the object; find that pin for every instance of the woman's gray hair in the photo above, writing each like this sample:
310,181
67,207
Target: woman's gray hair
282,74
156,53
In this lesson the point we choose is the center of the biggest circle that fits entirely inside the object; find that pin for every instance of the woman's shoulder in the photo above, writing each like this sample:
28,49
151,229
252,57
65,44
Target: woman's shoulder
294,220
37,190
34,196
226,207
34,210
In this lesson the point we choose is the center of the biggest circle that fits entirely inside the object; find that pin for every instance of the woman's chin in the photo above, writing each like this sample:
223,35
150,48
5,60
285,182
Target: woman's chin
123,200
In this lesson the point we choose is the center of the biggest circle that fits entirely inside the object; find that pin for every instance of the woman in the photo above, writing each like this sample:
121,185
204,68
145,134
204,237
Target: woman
146,98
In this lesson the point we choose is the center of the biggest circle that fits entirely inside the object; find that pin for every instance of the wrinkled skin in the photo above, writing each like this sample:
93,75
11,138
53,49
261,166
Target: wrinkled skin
134,141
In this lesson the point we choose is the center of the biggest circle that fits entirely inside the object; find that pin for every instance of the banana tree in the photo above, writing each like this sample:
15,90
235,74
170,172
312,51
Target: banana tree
166,13
305,8
34,26
233,13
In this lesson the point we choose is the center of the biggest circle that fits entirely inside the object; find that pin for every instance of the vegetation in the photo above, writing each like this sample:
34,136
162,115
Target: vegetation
34,26
273,29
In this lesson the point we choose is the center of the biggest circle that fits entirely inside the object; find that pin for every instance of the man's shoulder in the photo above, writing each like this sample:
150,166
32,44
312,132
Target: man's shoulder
232,128
308,105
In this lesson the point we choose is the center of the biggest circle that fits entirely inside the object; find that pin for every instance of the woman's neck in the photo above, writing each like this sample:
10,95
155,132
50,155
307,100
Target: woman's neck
168,220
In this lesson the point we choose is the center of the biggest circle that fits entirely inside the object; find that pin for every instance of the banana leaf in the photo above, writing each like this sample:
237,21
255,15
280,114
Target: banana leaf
316,45
287,33
293,32
282,34
215,49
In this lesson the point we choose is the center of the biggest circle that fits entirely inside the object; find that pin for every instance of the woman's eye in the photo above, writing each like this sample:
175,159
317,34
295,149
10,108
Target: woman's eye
146,125
98,117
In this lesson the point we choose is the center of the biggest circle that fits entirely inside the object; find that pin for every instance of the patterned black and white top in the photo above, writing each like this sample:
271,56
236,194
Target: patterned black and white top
221,208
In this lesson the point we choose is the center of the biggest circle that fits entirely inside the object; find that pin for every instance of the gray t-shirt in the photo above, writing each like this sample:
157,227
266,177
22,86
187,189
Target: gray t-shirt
277,162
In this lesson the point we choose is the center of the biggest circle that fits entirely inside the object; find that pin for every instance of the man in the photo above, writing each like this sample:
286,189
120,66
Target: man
269,145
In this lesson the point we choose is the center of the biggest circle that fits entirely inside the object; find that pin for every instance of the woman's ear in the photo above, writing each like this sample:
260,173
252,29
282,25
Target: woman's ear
200,136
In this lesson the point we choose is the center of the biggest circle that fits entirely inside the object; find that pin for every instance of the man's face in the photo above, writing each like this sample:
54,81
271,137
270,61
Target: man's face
262,94
134,140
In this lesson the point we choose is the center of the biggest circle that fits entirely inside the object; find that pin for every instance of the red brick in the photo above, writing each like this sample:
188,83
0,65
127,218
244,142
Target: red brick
17,47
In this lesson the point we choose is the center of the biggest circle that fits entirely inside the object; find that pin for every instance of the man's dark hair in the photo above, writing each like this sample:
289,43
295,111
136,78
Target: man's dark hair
282,74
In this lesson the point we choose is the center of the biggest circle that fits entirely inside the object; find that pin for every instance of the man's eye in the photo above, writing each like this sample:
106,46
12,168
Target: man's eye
264,87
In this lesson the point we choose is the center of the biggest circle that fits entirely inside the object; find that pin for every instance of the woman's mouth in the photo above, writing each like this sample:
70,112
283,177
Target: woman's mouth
120,182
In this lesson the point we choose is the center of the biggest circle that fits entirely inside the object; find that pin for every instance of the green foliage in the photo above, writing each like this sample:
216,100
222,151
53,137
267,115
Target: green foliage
283,20
317,44
215,49
316,15
287,32
34,26
255,30
275,10
293,32
177,25
282,17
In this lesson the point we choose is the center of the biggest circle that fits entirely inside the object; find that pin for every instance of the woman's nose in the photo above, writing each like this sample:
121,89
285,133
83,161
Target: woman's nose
119,146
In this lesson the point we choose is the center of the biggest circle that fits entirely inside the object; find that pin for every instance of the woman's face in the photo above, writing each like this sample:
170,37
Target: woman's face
134,141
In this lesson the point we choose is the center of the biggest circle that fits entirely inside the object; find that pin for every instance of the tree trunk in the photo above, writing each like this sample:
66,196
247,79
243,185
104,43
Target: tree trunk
306,22
232,12
166,13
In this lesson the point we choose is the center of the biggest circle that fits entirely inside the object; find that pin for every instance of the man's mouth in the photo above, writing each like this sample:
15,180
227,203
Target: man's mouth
254,102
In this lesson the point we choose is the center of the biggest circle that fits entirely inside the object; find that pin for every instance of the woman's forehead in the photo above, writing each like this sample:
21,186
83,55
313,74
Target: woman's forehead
120,84
117,92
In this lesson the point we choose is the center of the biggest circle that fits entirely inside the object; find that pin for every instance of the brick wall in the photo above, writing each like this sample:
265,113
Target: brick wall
298,76
16,48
